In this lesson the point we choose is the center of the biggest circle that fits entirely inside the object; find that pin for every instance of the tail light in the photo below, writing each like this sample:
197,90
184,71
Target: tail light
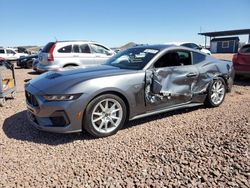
235,56
50,56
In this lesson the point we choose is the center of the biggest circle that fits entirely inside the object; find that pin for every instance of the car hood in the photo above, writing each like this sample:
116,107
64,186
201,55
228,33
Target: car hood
55,82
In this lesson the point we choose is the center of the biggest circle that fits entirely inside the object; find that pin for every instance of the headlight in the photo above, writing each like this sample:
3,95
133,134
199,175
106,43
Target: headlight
68,97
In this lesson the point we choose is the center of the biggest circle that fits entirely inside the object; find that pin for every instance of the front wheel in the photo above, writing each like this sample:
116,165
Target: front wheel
105,115
216,93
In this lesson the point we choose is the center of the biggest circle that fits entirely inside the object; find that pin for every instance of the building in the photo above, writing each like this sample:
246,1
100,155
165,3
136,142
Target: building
229,44
224,45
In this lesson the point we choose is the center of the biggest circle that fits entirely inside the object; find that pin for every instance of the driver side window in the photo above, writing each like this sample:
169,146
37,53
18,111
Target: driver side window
174,58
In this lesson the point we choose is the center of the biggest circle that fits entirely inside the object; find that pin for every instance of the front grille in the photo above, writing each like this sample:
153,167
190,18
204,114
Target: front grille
31,99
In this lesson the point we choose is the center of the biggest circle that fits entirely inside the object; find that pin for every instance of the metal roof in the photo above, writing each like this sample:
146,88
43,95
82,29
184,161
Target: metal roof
225,38
226,33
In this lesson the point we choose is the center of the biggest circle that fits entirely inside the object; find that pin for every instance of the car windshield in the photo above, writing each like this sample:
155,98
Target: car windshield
133,58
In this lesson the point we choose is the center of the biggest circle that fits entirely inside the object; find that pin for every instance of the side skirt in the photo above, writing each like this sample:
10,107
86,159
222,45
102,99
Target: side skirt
166,110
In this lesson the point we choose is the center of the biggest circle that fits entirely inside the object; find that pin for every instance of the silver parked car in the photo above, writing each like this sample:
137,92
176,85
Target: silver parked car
134,83
61,54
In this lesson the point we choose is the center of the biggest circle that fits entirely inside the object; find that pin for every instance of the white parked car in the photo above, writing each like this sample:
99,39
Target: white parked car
64,54
191,45
10,54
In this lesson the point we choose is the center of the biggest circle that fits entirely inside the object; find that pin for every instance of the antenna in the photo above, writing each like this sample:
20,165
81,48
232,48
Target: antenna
55,38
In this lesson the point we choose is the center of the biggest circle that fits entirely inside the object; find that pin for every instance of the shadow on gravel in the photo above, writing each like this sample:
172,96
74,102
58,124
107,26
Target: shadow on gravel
18,127
242,80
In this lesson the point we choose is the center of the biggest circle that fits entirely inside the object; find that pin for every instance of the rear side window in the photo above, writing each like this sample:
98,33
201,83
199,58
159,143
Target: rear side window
85,48
198,58
66,49
47,48
245,49
2,51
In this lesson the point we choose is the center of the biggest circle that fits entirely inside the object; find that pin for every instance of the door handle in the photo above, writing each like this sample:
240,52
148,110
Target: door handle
75,55
192,74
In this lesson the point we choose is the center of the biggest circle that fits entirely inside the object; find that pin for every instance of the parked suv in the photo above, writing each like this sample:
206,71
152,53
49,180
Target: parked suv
10,54
61,54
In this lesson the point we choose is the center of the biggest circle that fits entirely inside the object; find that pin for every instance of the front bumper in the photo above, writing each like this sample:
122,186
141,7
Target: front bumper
56,116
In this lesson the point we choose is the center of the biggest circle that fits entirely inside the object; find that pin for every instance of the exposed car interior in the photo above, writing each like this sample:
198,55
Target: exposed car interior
174,58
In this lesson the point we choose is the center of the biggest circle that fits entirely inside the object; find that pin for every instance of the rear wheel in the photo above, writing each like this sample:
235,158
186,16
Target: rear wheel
104,115
216,93
70,66
29,64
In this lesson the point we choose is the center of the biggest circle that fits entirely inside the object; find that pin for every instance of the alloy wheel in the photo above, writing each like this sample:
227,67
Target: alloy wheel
218,92
107,115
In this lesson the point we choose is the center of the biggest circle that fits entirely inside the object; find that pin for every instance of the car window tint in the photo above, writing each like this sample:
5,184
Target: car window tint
10,52
245,49
66,49
47,48
76,49
198,58
85,48
2,51
99,49
174,58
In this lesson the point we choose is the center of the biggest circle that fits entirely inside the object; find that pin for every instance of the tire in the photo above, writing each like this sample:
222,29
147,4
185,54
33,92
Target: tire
216,93
70,66
2,102
99,120
28,64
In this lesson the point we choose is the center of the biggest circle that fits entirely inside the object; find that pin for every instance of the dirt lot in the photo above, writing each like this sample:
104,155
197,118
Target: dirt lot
198,147
224,56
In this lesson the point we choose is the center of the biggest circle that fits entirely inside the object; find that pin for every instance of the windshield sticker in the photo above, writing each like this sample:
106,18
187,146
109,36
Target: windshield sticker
152,51
140,55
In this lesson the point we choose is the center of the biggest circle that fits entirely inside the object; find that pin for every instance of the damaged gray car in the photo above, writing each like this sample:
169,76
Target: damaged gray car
135,83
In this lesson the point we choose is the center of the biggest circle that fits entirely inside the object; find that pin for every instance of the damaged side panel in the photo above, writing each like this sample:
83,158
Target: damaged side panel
180,84
170,86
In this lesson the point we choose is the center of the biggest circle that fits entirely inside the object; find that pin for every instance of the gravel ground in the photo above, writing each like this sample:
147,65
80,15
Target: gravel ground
198,147
226,56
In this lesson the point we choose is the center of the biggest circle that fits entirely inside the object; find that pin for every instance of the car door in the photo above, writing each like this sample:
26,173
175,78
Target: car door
101,53
85,56
171,79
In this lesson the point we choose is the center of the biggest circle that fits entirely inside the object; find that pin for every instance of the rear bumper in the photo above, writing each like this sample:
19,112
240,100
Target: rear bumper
43,68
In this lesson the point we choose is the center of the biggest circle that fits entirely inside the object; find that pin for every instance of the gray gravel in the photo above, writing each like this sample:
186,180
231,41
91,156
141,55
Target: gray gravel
197,147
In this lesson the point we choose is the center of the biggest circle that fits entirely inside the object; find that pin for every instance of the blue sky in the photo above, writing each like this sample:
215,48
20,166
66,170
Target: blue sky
114,22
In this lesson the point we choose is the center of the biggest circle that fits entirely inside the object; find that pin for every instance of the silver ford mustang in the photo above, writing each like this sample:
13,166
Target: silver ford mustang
134,83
